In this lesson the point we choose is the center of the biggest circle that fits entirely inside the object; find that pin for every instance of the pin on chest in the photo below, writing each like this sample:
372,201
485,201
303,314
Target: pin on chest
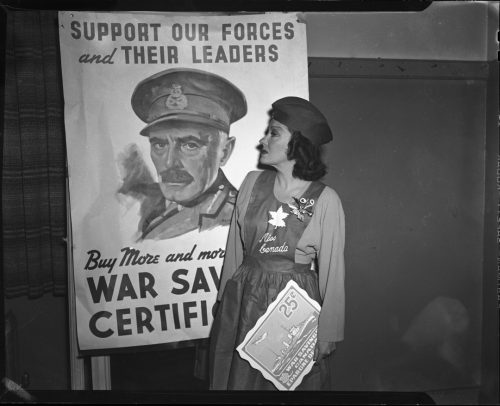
292,197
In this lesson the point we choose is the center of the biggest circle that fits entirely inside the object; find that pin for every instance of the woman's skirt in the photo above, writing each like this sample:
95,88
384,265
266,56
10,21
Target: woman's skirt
246,298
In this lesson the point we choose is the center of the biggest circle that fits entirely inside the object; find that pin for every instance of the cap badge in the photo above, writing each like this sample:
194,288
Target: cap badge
176,99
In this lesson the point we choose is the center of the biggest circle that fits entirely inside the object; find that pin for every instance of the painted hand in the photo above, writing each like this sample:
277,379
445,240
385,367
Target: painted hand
323,349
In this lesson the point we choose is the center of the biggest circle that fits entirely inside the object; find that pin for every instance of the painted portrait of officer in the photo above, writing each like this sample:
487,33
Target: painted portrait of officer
188,114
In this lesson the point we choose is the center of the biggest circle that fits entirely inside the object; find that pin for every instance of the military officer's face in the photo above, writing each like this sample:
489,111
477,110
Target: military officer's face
187,157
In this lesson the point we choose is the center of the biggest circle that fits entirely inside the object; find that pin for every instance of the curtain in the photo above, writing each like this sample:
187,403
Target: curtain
34,160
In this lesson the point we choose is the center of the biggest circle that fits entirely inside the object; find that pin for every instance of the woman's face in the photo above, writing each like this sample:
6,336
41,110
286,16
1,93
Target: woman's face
274,144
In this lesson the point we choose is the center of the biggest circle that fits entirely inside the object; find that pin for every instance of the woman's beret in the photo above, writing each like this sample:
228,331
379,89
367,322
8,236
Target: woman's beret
301,115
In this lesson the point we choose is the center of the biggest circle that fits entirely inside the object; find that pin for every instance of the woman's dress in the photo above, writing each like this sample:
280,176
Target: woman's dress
269,245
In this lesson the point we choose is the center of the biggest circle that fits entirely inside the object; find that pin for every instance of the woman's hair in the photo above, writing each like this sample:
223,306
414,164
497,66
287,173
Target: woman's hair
308,162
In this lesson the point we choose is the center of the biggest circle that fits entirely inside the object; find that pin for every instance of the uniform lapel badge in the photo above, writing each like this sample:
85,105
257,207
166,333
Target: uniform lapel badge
278,218
303,207
176,100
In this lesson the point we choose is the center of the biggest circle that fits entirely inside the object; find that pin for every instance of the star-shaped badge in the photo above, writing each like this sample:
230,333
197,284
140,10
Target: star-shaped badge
277,218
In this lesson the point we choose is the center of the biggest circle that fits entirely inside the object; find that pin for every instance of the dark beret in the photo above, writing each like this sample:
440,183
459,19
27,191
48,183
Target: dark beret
301,115
190,95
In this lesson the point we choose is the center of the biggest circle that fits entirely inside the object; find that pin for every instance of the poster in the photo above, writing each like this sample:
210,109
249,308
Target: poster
281,344
163,114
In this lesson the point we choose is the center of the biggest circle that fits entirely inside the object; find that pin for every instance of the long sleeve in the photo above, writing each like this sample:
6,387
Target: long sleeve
331,268
235,246
324,236
234,252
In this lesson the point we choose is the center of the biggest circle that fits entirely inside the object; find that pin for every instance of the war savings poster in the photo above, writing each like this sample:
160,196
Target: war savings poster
163,114
281,344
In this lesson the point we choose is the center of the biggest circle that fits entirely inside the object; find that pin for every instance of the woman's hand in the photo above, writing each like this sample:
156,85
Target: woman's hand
323,349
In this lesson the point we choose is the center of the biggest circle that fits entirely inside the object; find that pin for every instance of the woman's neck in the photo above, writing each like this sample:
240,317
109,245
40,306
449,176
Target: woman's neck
286,186
284,177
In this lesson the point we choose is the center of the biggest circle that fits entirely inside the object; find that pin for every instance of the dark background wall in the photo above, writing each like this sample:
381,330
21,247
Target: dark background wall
37,342
408,163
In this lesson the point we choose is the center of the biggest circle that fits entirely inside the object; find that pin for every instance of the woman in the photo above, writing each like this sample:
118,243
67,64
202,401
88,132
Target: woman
253,273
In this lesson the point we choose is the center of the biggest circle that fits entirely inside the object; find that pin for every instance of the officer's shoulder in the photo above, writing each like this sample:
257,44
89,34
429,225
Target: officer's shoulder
226,192
232,193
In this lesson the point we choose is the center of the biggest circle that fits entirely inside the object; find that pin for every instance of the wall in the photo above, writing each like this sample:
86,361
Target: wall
408,163
41,348
446,30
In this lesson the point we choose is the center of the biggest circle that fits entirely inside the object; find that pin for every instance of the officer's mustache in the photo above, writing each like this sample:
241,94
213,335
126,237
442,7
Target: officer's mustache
174,175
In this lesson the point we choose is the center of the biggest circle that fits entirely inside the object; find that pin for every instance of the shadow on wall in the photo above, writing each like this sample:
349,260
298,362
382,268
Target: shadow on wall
432,352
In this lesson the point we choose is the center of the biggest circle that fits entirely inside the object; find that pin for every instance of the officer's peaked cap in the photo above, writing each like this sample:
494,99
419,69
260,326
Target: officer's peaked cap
188,95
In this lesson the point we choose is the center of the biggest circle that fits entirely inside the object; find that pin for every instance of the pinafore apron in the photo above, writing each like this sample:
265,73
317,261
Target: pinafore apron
271,234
